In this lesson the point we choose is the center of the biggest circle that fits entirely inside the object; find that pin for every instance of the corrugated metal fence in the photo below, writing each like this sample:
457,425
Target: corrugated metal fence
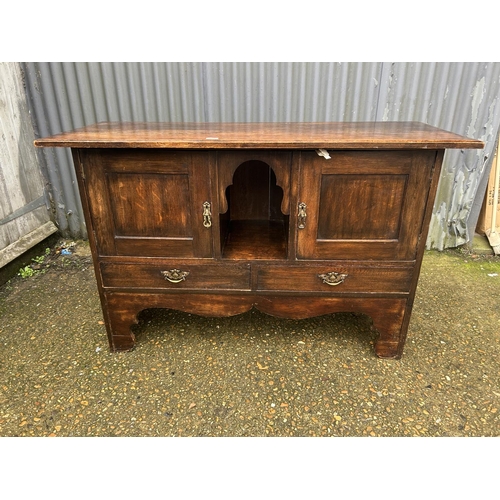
460,97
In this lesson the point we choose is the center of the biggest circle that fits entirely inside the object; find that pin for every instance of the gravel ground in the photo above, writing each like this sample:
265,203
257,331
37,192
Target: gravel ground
249,375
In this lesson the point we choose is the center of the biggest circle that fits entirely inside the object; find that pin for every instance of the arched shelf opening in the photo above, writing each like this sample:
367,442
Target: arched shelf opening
253,227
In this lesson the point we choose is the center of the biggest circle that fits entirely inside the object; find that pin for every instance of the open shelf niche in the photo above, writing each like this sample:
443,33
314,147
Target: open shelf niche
254,227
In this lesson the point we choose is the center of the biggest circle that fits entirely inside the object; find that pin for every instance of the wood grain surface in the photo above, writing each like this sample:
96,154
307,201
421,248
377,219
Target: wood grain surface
338,135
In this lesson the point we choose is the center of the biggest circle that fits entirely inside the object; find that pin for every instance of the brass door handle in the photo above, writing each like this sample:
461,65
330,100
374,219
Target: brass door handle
175,275
333,278
207,215
302,215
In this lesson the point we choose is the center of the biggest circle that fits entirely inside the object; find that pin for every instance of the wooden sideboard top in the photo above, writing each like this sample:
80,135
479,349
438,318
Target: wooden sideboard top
270,135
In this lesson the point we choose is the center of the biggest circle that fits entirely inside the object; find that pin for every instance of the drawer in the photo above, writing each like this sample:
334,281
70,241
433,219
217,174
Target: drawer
182,275
336,277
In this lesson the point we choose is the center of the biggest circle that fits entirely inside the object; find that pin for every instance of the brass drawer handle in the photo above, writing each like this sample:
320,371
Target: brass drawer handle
302,215
175,275
207,215
333,278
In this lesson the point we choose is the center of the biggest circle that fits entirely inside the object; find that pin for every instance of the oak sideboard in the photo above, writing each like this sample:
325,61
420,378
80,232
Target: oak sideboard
294,219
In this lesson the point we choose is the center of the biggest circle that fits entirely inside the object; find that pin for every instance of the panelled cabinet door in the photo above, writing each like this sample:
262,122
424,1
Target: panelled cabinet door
149,202
362,204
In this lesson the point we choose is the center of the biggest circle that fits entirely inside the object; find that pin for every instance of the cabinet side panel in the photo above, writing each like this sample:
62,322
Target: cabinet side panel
98,201
416,202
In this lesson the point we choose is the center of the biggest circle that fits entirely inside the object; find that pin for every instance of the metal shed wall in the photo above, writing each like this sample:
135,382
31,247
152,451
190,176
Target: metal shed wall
460,97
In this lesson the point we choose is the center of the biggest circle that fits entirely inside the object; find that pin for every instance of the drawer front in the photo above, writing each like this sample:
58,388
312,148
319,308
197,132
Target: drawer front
336,277
174,275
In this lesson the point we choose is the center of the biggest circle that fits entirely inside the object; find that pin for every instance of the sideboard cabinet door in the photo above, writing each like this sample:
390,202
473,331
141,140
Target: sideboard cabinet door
149,202
362,204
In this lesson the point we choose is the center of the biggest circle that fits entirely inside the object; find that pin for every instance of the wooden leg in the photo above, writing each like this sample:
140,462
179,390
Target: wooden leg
390,316
121,310
392,327
121,315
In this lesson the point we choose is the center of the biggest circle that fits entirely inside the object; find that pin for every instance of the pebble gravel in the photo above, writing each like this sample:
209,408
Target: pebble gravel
252,374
